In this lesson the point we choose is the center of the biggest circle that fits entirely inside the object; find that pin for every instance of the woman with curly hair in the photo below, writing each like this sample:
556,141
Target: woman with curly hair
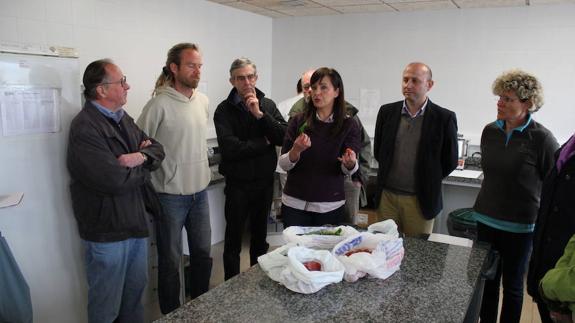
517,153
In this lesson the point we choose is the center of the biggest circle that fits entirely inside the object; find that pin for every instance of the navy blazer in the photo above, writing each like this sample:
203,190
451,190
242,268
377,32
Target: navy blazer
436,155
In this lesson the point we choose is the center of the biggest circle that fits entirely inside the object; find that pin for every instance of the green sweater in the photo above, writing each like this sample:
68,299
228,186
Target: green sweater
558,285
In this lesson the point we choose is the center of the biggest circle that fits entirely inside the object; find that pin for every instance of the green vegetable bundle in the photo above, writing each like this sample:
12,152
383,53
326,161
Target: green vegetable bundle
326,232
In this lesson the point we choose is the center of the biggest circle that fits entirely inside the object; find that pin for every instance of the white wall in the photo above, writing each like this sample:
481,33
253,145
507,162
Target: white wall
466,49
137,35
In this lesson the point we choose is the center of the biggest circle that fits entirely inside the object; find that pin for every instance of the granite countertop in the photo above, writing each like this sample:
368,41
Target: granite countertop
435,284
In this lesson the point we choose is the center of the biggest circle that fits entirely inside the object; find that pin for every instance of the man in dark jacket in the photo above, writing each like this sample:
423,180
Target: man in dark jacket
110,160
415,144
248,126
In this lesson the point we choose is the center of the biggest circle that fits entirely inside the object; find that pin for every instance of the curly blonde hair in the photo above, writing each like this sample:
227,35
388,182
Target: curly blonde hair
523,84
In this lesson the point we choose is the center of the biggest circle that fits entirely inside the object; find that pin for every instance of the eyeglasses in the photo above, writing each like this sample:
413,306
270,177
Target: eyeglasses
506,99
306,86
249,77
122,82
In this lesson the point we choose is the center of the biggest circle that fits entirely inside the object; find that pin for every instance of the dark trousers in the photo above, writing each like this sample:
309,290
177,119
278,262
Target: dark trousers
245,203
514,250
295,217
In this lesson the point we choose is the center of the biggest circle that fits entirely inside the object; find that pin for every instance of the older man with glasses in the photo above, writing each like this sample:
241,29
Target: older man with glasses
249,127
110,160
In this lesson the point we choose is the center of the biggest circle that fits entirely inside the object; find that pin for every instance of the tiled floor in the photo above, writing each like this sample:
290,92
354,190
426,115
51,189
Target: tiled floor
218,262
218,265
529,314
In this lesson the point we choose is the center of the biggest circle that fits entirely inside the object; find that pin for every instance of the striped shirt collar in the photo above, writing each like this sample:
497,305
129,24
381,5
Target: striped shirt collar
328,120
419,112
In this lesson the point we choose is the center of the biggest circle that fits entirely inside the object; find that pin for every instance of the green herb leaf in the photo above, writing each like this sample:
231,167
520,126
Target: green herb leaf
302,128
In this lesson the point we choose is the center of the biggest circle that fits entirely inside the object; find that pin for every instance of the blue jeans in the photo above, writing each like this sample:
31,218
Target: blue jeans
193,213
514,250
117,274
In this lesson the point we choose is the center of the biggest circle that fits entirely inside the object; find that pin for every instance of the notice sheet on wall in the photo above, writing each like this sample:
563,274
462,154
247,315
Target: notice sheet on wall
369,103
29,109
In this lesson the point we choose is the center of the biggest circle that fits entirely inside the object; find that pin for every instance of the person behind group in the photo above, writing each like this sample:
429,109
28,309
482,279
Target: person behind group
248,127
177,115
110,159
319,149
415,143
300,104
516,155
284,108
555,222
354,185
557,287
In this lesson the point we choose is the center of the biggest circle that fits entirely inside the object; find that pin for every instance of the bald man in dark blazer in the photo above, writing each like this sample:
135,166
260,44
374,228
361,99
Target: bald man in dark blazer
416,146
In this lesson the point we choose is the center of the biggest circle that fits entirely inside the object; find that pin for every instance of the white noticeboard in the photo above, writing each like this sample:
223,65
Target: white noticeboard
39,96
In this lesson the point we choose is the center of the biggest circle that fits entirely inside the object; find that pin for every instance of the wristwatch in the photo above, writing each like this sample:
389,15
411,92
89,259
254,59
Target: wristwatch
145,157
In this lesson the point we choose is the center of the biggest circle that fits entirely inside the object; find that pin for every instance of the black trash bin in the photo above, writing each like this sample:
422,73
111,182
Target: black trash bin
462,223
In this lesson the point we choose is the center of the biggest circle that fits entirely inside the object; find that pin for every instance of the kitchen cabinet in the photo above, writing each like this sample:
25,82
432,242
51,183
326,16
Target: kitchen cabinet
458,192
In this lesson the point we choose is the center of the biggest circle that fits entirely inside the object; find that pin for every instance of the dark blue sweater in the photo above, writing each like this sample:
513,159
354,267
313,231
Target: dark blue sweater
317,176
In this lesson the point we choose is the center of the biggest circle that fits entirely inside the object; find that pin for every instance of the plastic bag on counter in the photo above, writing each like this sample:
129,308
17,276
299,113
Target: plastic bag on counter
298,278
374,254
387,227
273,262
318,237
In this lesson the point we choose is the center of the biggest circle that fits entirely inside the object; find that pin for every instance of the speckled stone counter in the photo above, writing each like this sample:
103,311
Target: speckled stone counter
435,284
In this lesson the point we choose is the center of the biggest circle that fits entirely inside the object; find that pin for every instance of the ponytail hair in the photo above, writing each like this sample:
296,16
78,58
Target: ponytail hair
166,78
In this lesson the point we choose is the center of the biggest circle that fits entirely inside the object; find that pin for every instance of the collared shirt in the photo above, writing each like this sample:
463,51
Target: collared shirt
420,112
116,116
319,207
501,125
238,101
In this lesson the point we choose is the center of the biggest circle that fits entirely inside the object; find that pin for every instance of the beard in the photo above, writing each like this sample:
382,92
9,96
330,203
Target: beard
191,83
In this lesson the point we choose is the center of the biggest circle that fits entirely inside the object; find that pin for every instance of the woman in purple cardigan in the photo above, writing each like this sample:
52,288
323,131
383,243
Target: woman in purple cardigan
320,148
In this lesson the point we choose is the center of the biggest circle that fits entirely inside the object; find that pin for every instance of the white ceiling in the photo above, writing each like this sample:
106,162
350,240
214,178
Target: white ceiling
287,8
